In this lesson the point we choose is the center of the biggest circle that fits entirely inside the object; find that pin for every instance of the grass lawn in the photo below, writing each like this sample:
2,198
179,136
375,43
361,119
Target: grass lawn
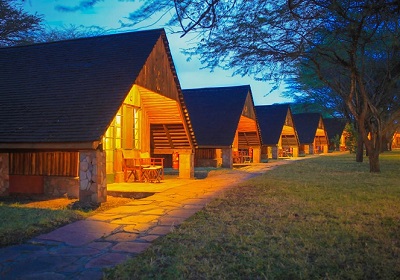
22,219
320,218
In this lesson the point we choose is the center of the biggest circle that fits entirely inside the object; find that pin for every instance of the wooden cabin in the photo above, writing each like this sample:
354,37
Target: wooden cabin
225,125
312,134
69,109
335,128
279,136
396,140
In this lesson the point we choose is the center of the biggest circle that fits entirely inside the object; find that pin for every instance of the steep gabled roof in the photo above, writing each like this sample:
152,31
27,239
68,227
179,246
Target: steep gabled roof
215,113
271,119
334,126
306,125
68,91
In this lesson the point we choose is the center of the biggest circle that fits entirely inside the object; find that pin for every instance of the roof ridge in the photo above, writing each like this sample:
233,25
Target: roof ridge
83,38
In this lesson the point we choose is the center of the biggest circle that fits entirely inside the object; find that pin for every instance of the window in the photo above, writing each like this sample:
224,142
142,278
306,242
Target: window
131,127
123,132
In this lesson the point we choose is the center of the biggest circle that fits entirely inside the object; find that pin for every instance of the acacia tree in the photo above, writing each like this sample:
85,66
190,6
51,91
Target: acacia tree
267,39
15,24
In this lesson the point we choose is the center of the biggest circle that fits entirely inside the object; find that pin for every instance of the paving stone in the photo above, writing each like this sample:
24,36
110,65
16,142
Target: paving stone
131,247
31,266
137,228
106,217
132,220
161,230
101,245
82,249
157,212
92,274
168,220
131,209
80,232
8,255
107,260
122,236
148,238
182,213
77,251
142,201
45,276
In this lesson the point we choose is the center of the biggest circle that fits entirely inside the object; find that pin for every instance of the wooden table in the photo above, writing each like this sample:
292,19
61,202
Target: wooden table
152,174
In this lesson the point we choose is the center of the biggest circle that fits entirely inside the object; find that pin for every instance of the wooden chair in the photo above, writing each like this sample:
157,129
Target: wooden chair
137,167
131,166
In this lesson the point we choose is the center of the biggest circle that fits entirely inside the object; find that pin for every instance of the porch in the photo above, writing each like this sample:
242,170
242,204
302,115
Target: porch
136,189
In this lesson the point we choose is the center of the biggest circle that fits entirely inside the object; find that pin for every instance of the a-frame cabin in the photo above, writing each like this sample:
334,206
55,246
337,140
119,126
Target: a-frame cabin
279,136
225,125
69,109
335,131
312,134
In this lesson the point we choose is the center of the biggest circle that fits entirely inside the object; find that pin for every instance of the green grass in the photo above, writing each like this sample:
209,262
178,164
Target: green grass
22,219
17,223
320,218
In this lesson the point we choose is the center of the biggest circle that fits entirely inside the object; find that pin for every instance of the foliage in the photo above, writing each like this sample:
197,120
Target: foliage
336,142
15,24
351,137
65,33
319,218
350,47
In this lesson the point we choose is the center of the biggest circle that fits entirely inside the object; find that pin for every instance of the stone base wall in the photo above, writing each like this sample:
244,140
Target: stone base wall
61,186
227,158
4,174
92,177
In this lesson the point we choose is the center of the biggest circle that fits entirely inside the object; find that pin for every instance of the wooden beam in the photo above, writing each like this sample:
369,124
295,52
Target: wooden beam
62,146
168,136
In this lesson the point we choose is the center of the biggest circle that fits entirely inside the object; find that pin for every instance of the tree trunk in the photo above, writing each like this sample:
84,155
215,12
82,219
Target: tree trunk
374,165
360,149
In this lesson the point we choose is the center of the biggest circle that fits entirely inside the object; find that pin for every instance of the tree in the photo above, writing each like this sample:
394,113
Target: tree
15,24
338,39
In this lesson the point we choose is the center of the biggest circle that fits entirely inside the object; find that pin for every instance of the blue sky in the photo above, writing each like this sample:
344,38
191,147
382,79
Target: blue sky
109,13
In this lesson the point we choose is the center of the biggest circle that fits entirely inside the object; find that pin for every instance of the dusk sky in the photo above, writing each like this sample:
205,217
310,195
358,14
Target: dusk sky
109,13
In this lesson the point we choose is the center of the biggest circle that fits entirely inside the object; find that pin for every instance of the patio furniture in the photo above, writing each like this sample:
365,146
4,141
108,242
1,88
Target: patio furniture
152,174
143,169
132,166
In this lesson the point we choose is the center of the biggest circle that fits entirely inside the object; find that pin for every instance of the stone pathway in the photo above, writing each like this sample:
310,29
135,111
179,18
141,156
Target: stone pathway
82,249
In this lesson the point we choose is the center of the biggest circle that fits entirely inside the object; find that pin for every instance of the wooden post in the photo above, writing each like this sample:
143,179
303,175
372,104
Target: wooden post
4,174
295,151
227,158
186,164
256,154
309,149
92,177
275,150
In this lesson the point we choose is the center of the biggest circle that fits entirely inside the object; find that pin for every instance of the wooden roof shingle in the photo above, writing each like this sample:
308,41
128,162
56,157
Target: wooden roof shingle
215,113
334,126
306,125
68,91
271,119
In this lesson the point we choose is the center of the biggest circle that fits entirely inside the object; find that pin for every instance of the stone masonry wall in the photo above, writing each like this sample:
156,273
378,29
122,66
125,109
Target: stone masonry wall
4,174
59,186
92,177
